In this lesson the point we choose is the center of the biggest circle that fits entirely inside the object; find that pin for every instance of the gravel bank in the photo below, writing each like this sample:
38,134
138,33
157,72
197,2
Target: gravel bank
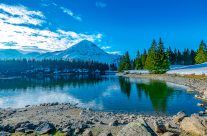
66,120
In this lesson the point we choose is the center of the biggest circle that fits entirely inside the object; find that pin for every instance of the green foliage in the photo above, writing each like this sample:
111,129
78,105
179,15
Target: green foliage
201,56
152,58
143,58
157,59
24,66
138,61
125,63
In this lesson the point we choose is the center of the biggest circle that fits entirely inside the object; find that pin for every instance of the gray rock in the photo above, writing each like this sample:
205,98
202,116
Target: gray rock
101,122
114,123
169,134
29,131
195,125
68,131
3,133
21,124
45,128
105,133
9,129
179,117
77,131
159,127
30,126
20,130
87,133
138,128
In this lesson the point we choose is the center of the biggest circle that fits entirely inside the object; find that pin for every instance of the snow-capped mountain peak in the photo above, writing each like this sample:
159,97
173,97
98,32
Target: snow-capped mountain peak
84,51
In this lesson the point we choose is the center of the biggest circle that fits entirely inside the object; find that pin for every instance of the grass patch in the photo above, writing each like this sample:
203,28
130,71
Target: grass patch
193,76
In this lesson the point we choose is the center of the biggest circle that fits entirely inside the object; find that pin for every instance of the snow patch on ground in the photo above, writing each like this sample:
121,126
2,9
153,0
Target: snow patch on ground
199,69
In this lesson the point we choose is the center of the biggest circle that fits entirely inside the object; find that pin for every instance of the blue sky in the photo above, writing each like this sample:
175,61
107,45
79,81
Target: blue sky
114,25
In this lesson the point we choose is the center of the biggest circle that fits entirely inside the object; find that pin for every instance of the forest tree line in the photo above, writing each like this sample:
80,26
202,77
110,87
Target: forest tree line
158,59
20,66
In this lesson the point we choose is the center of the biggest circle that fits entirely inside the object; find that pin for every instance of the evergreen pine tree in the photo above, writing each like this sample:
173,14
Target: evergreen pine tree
201,55
138,61
143,58
192,56
125,63
163,58
151,61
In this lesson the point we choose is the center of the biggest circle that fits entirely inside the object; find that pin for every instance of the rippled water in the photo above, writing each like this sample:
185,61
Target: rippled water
108,93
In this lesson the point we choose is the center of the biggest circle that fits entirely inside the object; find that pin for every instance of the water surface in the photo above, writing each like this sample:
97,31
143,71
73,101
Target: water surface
102,93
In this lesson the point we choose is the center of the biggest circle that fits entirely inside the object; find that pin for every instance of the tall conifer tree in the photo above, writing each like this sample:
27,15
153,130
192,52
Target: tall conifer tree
201,56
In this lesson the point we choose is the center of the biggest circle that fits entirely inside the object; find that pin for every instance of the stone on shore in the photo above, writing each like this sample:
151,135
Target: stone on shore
45,128
105,133
195,124
159,127
138,128
3,133
169,134
179,117
87,133
114,123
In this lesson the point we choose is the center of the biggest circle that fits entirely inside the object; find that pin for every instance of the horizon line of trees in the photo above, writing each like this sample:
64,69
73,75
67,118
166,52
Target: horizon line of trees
19,66
158,59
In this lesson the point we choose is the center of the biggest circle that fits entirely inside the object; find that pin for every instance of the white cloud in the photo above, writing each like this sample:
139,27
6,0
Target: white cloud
114,52
105,47
20,15
100,4
23,37
70,13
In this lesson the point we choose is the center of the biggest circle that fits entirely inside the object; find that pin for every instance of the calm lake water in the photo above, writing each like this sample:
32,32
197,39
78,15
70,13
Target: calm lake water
107,93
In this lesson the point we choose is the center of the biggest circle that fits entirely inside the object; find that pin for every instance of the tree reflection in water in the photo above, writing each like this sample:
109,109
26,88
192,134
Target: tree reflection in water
158,92
125,85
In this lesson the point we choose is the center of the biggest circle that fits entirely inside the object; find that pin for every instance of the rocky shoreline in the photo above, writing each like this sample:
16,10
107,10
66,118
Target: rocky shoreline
198,85
66,120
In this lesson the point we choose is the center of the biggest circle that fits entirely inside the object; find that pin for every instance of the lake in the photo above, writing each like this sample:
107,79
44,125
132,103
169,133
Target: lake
100,93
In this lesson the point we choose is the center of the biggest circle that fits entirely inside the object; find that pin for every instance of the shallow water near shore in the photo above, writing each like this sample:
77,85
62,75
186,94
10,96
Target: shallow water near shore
100,93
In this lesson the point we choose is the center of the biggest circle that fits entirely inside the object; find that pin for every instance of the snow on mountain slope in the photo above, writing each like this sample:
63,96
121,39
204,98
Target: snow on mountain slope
199,69
85,51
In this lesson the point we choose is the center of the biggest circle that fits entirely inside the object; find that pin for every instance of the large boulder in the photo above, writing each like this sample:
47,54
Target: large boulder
87,133
45,128
138,128
160,127
169,134
179,117
195,125
3,133
105,133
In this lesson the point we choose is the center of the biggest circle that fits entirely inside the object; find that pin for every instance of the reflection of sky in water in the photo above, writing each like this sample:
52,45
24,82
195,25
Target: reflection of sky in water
110,94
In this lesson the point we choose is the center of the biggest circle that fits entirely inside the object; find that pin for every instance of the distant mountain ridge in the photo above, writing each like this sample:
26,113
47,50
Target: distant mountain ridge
84,51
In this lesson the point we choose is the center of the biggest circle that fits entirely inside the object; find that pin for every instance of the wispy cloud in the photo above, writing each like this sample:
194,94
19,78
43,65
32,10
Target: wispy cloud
100,4
105,47
15,35
114,52
20,15
70,13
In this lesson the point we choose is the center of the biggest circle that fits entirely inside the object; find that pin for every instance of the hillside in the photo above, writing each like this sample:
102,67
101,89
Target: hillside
84,51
